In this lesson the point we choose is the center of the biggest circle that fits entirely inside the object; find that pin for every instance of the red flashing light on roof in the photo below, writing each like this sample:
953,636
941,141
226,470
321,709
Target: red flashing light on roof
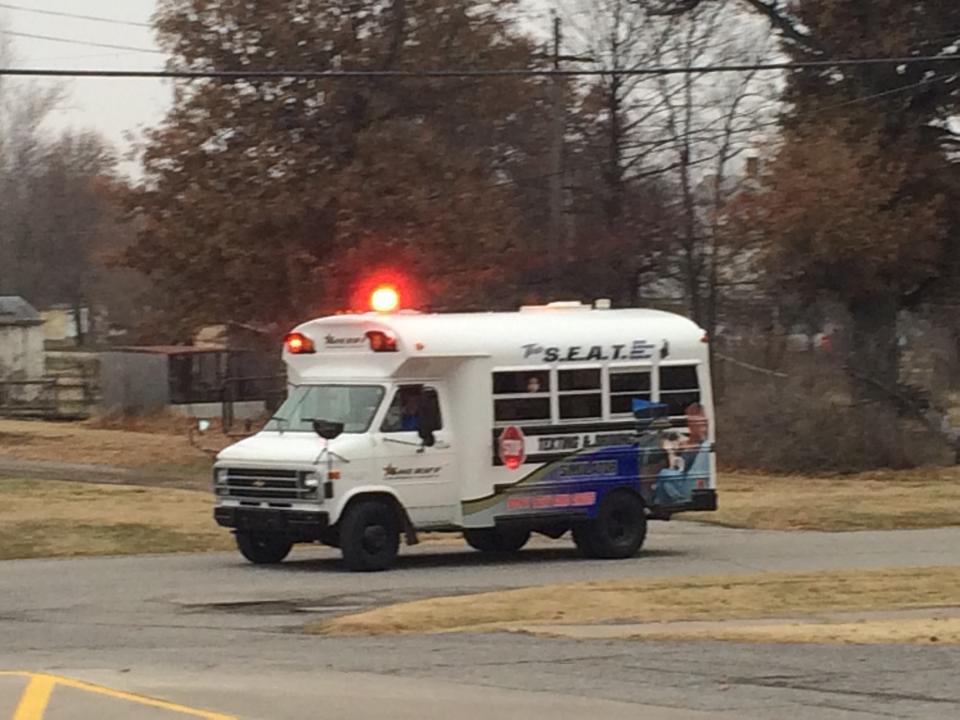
381,341
385,299
299,344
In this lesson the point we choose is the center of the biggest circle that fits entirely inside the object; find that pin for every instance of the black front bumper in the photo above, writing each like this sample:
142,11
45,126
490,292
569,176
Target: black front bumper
297,525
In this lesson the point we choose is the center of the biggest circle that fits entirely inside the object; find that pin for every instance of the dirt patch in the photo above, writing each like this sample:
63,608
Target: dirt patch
45,518
668,600
881,500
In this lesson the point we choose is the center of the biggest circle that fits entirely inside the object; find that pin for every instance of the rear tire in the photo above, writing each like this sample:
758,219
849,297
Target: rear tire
618,530
496,541
263,549
370,536
581,538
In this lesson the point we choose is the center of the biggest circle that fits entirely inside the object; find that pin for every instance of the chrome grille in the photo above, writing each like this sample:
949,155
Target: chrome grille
267,485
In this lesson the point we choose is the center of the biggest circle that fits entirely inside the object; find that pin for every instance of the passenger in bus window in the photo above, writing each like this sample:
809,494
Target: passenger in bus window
533,384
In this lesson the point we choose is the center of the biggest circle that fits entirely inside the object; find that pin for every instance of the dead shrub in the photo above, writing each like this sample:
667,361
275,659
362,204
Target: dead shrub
809,423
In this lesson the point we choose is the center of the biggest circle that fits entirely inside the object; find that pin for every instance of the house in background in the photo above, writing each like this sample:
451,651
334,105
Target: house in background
231,370
21,340
64,325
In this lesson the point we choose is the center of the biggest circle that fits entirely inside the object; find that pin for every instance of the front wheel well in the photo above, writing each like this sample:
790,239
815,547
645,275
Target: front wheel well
409,532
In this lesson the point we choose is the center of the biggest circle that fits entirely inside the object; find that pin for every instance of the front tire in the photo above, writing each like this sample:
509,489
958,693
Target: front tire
262,549
370,536
618,530
496,541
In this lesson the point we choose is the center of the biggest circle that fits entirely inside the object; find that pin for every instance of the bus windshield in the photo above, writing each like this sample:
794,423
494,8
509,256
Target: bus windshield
352,405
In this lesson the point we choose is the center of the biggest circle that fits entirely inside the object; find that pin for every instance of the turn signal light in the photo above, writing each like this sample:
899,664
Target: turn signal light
381,341
299,344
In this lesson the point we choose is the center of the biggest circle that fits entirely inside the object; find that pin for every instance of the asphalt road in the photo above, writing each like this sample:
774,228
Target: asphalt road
215,637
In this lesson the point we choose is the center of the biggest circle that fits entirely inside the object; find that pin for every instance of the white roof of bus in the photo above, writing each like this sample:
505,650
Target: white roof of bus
508,338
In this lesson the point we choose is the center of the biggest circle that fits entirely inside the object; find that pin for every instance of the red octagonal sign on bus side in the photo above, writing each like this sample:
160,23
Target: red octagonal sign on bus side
511,447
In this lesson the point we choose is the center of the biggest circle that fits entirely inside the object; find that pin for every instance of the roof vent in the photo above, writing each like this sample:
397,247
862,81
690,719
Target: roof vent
601,304
555,305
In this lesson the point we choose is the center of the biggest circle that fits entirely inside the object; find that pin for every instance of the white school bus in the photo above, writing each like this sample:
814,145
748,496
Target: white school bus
554,419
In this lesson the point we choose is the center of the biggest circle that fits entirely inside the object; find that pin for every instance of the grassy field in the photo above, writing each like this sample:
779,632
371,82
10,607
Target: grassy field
926,497
45,518
749,596
88,444
881,500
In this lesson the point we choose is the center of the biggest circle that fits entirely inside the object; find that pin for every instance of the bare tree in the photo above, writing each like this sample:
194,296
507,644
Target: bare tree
676,140
706,126
24,107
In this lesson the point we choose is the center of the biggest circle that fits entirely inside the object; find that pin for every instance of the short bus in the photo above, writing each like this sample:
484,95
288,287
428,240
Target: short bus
553,419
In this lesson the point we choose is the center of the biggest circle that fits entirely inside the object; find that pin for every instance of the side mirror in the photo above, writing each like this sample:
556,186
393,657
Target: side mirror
327,429
429,419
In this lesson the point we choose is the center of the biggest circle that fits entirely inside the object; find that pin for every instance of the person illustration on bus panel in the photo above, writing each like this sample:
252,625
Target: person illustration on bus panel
675,484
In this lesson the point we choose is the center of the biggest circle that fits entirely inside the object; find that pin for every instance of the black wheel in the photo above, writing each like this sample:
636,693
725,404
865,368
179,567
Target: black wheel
619,529
369,536
496,540
581,538
262,549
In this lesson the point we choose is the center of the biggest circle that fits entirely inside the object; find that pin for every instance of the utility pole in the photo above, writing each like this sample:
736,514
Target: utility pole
560,230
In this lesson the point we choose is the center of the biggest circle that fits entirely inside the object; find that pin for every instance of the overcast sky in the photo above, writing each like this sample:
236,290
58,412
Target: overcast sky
111,106
114,107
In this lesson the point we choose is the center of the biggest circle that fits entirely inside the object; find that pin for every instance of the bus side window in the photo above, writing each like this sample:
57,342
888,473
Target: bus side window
626,385
522,395
580,394
679,388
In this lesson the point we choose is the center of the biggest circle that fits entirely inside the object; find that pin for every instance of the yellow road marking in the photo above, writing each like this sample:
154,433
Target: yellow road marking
33,702
37,694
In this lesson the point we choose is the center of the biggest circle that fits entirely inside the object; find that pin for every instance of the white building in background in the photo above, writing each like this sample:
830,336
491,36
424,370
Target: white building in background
21,340
60,323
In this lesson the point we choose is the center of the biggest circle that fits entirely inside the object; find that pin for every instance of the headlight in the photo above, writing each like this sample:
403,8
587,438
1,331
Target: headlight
311,480
220,476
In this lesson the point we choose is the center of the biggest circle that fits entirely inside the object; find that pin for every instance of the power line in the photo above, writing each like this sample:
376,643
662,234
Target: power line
70,41
56,13
437,74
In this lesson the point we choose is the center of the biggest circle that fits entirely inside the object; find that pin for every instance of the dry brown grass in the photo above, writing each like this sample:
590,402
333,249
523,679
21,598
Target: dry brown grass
45,518
877,500
925,497
668,600
81,443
